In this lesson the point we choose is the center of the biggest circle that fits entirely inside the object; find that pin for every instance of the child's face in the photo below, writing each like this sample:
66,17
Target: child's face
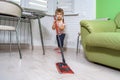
59,16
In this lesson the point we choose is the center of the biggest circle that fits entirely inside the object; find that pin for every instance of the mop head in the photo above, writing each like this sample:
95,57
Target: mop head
63,68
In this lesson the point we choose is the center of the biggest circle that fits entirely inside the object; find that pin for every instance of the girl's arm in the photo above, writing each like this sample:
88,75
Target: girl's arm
62,27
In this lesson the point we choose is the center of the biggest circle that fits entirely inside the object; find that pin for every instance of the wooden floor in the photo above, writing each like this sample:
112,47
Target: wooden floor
35,66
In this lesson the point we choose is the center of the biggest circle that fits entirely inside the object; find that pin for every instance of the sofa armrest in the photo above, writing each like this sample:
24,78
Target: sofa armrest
98,26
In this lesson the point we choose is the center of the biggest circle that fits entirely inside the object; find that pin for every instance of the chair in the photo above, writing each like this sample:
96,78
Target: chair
10,10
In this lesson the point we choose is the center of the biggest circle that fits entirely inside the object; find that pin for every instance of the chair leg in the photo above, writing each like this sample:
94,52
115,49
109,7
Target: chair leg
78,43
18,45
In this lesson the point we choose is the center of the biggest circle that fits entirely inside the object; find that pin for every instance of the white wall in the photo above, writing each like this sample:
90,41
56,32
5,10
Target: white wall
86,10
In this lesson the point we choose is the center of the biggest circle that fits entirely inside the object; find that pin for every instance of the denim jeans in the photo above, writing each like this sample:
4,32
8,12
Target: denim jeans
61,38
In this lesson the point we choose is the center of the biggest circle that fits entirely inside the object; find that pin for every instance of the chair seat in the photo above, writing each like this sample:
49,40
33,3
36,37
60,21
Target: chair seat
107,40
9,28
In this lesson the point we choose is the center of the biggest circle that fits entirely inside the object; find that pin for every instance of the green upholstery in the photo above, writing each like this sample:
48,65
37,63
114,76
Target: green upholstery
117,20
99,26
101,41
104,39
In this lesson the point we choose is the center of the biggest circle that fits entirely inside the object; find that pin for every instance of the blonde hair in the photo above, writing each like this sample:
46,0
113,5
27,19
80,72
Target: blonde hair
59,10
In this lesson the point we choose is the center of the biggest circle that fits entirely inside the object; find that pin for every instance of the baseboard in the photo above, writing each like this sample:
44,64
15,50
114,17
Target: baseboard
27,46
6,46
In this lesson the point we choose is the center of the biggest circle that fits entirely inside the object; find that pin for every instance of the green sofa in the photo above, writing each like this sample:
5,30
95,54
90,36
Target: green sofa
101,41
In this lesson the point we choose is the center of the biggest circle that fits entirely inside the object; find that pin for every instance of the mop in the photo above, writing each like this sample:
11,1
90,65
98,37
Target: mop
62,67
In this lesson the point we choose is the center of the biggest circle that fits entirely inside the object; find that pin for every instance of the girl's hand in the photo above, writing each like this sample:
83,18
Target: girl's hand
62,27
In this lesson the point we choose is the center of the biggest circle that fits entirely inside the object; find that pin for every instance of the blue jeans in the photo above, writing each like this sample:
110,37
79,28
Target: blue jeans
61,38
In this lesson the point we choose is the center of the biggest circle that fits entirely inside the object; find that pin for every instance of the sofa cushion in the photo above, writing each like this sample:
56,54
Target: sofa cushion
105,39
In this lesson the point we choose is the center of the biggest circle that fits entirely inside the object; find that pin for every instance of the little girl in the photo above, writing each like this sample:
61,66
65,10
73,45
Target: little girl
59,13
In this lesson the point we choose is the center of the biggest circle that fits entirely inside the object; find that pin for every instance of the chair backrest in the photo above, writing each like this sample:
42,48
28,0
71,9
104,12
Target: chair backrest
10,8
117,20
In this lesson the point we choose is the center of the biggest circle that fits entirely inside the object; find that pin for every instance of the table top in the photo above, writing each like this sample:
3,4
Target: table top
32,13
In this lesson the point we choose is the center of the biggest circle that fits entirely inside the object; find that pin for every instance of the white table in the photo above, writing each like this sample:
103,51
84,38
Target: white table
34,14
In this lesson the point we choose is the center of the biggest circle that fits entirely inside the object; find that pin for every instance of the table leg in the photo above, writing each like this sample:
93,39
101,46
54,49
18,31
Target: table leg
31,34
40,29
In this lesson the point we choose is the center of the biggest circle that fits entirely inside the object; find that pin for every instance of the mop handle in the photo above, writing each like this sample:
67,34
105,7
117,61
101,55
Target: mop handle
56,26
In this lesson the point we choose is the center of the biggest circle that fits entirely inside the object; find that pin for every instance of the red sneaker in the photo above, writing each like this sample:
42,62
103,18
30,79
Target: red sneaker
59,52
56,49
